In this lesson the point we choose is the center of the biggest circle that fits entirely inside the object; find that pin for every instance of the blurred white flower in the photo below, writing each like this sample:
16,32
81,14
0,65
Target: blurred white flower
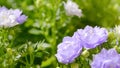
17,57
72,9
11,17
117,31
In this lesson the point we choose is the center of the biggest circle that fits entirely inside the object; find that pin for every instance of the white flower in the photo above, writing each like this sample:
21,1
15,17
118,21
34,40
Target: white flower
10,17
71,9
117,31
7,19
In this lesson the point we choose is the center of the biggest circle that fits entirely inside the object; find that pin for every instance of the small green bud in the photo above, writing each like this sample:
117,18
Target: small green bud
37,3
74,65
111,35
85,53
115,47
1,59
57,67
10,61
9,51
30,49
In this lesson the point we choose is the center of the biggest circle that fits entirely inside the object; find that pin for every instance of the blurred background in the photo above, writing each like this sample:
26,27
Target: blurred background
47,24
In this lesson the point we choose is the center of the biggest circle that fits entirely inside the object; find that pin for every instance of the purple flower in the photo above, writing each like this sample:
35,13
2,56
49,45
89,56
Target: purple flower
21,19
91,37
106,59
3,8
10,17
68,50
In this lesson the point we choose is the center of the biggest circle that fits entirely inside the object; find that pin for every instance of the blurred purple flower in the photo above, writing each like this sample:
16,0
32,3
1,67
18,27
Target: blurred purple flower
10,17
21,19
106,59
91,37
3,8
68,50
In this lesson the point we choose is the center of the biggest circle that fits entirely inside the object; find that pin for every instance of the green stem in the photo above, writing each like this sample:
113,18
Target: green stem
69,66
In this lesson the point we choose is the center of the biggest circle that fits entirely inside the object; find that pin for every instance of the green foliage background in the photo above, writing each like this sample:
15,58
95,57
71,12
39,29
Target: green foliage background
47,24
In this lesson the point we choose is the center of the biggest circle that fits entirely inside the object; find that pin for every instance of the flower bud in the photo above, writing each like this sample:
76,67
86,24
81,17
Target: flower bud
85,53
30,49
9,51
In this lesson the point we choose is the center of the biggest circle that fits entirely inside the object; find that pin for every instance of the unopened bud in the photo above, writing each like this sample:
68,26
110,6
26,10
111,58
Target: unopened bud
30,49
85,53
57,67
9,51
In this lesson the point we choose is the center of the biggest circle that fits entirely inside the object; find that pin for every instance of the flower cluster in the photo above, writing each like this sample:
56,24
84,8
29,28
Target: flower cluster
106,59
10,17
71,47
71,9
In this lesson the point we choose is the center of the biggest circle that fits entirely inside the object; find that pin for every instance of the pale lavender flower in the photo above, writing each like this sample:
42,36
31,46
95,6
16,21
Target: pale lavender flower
21,19
106,59
68,50
71,9
10,17
91,37
3,8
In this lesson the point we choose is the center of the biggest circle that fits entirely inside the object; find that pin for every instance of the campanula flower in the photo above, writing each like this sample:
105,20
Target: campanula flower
106,59
68,50
11,17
